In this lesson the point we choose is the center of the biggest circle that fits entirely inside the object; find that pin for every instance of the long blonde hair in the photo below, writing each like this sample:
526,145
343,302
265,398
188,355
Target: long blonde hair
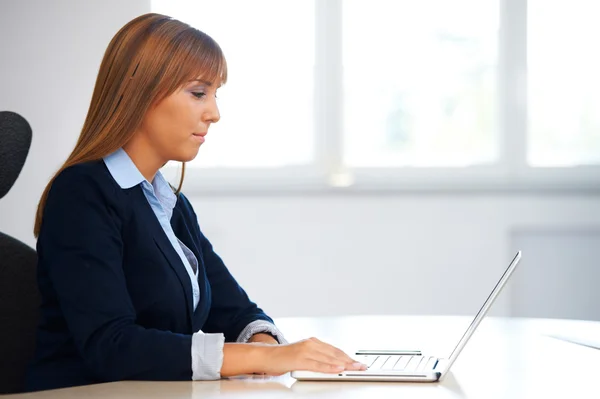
147,60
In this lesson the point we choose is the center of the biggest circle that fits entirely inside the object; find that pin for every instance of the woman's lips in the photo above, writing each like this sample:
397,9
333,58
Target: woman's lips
199,137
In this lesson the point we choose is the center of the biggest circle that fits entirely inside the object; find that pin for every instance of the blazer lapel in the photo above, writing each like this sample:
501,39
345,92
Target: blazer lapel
179,223
165,246
182,230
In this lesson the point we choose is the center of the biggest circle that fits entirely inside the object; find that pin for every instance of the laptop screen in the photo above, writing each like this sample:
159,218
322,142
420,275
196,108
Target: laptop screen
483,311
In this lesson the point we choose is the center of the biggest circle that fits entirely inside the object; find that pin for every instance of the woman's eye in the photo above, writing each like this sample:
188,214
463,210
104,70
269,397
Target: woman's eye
198,94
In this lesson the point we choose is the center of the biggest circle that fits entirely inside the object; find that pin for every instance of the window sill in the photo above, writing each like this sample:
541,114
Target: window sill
306,181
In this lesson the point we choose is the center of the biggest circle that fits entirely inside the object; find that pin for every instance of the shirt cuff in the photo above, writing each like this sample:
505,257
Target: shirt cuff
260,326
207,356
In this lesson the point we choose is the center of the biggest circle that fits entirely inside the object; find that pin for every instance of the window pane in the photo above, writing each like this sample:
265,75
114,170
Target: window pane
420,82
267,104
564,82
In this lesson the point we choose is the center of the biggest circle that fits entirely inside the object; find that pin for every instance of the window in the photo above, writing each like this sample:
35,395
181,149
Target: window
420,85
396,94
564,82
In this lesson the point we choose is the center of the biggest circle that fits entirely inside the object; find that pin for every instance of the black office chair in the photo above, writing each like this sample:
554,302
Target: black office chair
19,295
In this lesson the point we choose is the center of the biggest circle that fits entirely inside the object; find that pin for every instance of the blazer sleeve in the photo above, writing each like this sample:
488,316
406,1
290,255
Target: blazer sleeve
231,309
81,247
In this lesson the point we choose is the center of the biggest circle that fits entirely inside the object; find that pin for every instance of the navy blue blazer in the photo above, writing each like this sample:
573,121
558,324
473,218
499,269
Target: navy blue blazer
116,297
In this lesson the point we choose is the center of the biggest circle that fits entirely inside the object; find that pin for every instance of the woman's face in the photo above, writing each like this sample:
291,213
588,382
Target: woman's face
176,126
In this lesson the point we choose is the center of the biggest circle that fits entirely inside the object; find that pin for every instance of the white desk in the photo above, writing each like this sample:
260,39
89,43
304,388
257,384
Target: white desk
506,358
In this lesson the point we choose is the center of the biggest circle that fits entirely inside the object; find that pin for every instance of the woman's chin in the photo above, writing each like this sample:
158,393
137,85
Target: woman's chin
186,156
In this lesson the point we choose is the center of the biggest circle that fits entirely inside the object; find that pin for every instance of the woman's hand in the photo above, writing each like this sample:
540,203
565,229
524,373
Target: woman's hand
310,355
265,358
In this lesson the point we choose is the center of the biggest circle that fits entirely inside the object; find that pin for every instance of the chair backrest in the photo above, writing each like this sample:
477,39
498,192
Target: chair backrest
15,140
19,311
19,295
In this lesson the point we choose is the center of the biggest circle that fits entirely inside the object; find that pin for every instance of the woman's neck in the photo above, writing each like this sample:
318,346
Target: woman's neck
144,157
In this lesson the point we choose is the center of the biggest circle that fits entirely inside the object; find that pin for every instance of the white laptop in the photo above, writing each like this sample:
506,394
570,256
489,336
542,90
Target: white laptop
411,365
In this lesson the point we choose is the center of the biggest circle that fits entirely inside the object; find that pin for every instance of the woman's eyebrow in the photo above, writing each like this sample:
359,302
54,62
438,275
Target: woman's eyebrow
201,81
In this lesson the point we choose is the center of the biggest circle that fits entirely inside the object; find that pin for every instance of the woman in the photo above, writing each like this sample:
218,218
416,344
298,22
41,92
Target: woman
131,287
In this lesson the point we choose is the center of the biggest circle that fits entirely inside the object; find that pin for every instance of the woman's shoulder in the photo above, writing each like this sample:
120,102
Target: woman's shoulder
76,193
84,177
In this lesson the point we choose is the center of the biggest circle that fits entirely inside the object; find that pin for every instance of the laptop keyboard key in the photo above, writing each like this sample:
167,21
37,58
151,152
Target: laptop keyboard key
422,363
402,362
391,362
429,364
377,364
413,363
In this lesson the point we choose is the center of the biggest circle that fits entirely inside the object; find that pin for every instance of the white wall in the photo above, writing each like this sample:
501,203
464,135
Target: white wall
295,254
50,52
323,255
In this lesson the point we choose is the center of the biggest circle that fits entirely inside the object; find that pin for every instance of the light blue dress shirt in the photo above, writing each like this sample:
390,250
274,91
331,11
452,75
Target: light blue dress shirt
207,349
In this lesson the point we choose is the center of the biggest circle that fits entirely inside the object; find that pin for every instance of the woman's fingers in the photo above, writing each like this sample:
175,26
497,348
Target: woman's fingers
325,358
329,354
320,367
335,352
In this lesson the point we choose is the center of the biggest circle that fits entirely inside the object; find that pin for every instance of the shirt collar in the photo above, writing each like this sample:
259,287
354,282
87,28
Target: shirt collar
127,175
123,170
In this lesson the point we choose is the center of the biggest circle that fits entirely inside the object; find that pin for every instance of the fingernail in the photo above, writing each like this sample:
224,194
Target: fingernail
359,365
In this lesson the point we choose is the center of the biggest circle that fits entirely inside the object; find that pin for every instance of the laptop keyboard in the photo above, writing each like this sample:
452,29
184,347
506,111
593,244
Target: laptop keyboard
398,362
